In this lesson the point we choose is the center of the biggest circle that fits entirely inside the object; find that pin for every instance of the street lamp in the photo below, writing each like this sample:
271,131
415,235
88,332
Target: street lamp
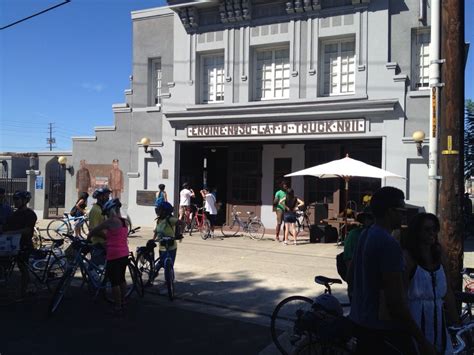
145,141
62,160
418,137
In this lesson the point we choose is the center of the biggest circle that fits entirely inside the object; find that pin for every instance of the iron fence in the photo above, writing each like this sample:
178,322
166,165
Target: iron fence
11,185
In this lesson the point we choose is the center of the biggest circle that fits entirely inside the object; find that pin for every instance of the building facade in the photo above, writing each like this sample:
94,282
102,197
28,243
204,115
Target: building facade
235,94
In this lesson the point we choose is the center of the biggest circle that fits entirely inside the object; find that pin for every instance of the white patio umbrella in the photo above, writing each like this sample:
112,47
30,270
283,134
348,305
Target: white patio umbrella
345,168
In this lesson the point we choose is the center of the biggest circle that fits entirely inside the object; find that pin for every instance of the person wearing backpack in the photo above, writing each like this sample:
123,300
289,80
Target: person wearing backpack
161,196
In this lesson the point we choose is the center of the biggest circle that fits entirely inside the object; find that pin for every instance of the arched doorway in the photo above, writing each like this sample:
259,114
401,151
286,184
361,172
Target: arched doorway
55,189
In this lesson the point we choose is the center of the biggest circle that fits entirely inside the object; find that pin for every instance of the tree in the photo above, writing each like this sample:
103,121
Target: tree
469,140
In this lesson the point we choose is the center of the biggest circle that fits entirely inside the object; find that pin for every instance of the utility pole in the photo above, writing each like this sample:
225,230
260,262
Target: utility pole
451,138
51,140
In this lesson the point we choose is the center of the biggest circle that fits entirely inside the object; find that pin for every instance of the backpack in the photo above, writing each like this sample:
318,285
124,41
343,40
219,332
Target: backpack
160,199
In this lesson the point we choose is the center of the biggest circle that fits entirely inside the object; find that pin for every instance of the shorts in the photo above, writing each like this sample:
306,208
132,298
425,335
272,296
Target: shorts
289,217
211,218
279,214
115,271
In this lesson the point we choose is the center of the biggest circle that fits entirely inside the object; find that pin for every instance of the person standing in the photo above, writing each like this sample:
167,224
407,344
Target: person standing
116,179
116,233
95,219
22,221
166,225
185,196
210,207
379,310
79,210
5,209
291,204
161,196
83,179
279,208
429,291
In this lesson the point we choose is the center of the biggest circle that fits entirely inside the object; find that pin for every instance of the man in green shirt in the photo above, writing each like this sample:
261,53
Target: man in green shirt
279,208
95,218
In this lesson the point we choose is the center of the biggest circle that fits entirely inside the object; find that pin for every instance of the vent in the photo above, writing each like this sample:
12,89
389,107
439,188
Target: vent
210,37
255,32
284,27
348,20
274,29
219,36
325,22
264,30
201,38
336,21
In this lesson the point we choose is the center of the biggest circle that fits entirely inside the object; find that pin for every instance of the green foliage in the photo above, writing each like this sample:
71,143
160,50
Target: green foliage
469,139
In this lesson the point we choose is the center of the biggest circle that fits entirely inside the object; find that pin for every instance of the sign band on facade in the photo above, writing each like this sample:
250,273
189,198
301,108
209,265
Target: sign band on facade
278,128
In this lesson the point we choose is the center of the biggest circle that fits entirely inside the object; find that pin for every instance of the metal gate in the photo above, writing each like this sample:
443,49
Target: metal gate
56,189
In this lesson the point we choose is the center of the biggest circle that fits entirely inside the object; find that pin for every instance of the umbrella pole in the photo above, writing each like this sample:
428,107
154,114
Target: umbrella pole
346,179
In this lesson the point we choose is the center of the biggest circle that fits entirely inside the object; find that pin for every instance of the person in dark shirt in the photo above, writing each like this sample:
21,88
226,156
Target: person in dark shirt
379,309
22,221
5,209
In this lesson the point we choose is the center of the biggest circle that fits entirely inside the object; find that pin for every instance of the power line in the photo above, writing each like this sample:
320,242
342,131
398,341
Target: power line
38,13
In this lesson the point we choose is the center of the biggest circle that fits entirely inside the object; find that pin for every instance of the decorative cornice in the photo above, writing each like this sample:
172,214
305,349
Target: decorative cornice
104,128
401,78
235,11
299,6
189,18
305,110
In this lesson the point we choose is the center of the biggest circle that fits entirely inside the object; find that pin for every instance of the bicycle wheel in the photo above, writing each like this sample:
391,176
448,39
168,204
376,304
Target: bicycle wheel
205,229
85,228
56,228
169,278
230,231
137,282
256,230
283,320
61,289
193,226
145,266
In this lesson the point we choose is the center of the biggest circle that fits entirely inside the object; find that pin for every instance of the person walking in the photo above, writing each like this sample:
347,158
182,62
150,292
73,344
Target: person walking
429,291
279,208
382,320
185,196
116,234
291,204
79,210
210,207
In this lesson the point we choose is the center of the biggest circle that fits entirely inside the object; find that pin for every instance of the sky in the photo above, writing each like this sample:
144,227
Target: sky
69,65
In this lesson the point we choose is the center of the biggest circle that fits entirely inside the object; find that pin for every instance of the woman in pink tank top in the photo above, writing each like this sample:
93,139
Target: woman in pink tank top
116,233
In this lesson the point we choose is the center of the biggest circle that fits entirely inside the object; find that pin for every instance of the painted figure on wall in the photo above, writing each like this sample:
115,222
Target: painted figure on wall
83,178
116,179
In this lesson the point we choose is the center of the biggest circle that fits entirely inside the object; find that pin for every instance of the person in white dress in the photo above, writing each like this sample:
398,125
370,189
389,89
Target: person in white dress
430,298
209,207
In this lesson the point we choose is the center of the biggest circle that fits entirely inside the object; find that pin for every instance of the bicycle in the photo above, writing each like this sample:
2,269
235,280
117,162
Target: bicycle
93,275
253,226
302,221
58,227
147,264
289,312
201,223
462,338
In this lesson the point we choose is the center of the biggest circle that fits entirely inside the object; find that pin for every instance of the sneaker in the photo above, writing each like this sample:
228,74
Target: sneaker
286,243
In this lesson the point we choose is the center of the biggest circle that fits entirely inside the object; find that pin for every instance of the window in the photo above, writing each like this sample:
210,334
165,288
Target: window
421,59
338,67
155,82
272,74
245,170
212,78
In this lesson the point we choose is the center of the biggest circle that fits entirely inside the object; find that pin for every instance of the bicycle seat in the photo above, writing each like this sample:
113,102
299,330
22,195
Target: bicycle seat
464,297
323,280
249,213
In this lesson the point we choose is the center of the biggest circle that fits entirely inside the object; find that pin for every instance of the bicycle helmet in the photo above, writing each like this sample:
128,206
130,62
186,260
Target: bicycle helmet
22,194
110,205
101,191
329,304
166,207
